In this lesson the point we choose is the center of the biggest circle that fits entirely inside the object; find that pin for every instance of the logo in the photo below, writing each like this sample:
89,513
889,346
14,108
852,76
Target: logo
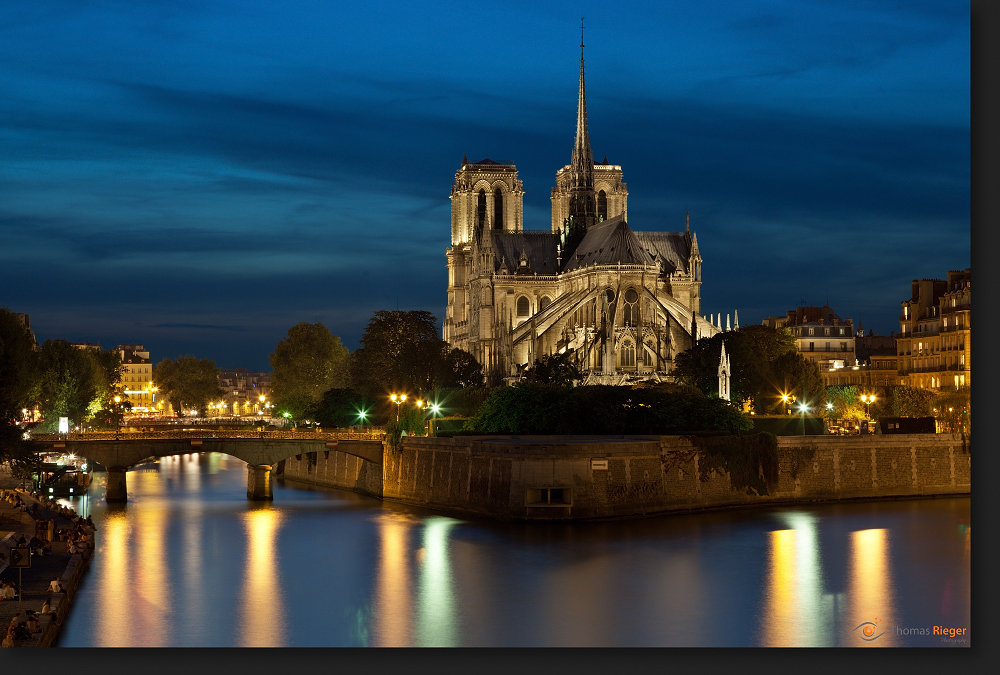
868,630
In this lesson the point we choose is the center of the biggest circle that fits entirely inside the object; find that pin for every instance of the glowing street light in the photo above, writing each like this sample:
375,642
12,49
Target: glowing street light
398,400
784,400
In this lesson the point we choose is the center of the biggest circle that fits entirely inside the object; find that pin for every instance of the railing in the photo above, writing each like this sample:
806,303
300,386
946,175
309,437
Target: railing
376,434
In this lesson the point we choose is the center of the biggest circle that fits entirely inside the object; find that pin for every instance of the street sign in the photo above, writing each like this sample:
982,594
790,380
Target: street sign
20,557
332,444
598,465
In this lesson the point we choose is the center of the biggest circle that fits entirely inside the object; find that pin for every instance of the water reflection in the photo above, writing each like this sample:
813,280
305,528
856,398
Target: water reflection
436,617
393,601
870,590
188,562
114,620
262,607
796,611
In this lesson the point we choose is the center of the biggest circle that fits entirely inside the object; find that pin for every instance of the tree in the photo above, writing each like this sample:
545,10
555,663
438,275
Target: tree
16,361
67,382
557,369
187,382
765,365
307,362
400,352
342,408
459,368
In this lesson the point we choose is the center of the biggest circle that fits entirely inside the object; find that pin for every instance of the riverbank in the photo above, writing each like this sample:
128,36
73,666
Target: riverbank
577,478
34,580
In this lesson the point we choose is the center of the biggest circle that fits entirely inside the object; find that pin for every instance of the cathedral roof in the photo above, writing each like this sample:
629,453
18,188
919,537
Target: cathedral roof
610,243
538,247
672,248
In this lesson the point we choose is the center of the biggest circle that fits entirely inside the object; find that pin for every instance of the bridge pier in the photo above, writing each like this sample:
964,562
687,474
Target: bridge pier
117,492
259,482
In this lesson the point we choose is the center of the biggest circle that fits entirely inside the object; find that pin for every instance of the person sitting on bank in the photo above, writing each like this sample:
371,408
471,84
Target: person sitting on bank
47,608
8,591
55,586
32,621
21,632
8,641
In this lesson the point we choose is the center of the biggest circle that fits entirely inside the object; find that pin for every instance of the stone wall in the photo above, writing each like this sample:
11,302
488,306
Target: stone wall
556,477
334,468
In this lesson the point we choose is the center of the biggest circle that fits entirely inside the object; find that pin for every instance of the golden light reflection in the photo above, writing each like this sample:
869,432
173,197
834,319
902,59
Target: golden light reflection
436,608
114,620
796,611
870,591
393,600
262,605
152,583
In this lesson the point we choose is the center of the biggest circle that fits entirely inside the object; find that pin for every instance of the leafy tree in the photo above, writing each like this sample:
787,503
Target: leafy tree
954,408
531,408
307,362
342,408
400,352
67,382
187,382
16,361
458,368
557,369
765,364
846,400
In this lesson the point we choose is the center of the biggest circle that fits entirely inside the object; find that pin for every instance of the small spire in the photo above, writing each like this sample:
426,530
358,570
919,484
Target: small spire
464,159
728,325
737,313
605,160
687,222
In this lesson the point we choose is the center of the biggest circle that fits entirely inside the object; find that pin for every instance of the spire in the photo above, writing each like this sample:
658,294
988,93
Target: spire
728,325
464,159
737,321
687,222
583,203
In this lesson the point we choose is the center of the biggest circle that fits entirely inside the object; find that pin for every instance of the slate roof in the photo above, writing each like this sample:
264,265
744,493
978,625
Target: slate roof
540,248
609,243
671,246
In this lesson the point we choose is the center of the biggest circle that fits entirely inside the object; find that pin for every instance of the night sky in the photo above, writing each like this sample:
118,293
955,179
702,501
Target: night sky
200,176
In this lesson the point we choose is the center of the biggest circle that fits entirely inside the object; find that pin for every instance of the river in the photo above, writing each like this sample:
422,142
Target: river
190,562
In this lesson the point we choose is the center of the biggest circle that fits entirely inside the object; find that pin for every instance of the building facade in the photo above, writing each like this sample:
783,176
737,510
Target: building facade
825,339
138,379
934,345
247,394
622,303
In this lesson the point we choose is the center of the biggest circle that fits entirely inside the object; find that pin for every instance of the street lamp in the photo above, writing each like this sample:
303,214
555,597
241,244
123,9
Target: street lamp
784,400
118,419
868,400
398,400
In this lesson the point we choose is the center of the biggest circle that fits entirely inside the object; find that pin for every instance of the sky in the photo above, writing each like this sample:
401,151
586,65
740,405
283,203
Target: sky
198,177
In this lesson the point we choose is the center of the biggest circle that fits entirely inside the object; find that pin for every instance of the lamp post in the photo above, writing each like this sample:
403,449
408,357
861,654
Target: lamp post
398,400
803,409
118,419
784,400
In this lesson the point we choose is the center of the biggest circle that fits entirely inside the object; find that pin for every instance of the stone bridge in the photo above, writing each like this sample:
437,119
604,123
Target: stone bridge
260,454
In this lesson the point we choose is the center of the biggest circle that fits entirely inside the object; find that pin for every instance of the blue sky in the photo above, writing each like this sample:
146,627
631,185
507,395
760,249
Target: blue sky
200,176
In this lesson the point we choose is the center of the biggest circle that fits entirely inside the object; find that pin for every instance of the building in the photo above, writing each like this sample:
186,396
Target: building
823,338
934,345
137,379
623,303
243,391
877,359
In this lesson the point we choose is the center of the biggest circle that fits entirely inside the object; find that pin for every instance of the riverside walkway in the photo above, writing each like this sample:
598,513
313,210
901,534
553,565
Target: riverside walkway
35,579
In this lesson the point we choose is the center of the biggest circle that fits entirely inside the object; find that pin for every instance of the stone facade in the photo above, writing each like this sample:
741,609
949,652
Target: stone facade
935,339
559,477
622,303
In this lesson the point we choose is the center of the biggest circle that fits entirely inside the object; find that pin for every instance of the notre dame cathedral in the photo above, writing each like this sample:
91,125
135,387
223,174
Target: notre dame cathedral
622,303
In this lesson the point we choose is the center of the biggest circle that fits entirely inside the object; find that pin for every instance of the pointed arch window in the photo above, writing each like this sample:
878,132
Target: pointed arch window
631,307
498,209
602,205
481,209
523,307
543,303
627,354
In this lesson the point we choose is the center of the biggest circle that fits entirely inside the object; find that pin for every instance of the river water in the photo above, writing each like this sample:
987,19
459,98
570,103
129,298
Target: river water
190,562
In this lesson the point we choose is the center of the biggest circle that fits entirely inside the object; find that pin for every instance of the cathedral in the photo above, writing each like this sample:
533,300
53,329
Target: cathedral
621,303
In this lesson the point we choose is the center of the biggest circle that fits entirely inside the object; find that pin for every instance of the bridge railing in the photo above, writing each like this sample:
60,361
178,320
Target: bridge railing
340,434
